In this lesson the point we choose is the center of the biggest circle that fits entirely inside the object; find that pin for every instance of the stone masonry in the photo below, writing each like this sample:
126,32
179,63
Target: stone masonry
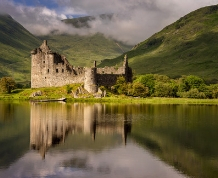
50,69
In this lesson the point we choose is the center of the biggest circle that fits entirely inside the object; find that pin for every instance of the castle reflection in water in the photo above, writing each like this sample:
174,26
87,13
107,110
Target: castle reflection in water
52,122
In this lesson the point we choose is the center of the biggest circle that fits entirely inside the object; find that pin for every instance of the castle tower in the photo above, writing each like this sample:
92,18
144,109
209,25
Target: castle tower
41,59
90,83
125,62
127,69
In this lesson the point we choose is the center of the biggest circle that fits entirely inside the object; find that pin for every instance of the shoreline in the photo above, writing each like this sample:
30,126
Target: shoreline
119,99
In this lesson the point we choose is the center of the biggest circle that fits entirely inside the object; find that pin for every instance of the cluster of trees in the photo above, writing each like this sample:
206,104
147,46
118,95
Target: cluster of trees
154,85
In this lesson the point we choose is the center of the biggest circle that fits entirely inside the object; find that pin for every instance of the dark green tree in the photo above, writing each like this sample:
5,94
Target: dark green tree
139,90
121,86
165,89
213,89
148,81
7,84
193,81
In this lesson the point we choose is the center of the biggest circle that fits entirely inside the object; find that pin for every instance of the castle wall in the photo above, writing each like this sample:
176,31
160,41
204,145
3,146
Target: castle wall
111,70
107,80
53,70
108,76
49,69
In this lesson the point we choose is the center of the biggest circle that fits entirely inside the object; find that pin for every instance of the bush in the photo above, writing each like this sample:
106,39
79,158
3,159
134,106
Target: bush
148,81
192,81
138,89
165,90
69,89
213,89
121,86
193,93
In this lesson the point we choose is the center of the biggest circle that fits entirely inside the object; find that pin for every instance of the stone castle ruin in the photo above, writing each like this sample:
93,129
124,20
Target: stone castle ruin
50,69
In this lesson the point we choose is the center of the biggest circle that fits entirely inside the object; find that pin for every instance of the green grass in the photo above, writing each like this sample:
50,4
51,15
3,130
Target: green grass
59,92
188,46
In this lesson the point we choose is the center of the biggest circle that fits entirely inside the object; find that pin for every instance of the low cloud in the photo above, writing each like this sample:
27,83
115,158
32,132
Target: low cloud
133,20
38,20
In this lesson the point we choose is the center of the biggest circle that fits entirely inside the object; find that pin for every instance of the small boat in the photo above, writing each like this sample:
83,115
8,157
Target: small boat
50,100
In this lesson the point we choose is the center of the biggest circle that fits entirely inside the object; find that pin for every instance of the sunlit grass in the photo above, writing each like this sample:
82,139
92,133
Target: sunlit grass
61,92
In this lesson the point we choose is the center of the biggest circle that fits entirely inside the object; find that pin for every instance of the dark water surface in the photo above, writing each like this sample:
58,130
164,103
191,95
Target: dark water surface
108,140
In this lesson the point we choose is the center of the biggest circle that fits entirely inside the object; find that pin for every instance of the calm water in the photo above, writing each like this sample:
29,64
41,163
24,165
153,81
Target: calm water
108,140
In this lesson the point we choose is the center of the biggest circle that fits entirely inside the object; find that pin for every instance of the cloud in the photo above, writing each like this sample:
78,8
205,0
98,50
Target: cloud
136,20
133,20
116,162
38,20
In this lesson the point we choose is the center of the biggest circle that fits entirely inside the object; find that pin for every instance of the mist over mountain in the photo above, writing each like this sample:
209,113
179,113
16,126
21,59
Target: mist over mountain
187,46
132,20
16,43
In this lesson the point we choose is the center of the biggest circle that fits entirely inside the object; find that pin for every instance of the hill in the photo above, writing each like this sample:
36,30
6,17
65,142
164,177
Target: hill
15,46
16,43
188,46
83,50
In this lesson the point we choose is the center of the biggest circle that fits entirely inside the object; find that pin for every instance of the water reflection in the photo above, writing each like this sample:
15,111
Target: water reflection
7,112
90,140
51,123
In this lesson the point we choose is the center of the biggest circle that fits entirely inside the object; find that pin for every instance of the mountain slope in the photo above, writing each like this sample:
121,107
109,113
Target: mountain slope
15,45
188,46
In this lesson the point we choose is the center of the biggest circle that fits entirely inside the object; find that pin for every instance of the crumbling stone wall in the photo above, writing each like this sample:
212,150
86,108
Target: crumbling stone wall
50,69
111,70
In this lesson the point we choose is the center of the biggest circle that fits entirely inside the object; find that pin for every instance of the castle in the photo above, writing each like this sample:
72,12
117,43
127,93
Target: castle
50,69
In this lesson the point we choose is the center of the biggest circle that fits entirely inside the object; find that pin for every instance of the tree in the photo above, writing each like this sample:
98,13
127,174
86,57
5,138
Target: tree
214,90
121,86
138,89
165,89
148,81
7,84
193,81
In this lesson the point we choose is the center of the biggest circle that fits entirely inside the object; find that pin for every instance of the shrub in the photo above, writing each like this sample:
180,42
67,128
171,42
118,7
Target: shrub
69,89
165,90
138,89
193,93
148,81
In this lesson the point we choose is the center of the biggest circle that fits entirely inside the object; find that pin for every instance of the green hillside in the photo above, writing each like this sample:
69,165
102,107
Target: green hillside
188,46
15,46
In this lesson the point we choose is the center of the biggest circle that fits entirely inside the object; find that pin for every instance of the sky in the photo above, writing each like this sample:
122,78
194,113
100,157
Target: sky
133,21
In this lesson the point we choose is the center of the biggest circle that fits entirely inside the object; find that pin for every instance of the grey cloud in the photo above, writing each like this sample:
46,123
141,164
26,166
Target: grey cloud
133,20
38,20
